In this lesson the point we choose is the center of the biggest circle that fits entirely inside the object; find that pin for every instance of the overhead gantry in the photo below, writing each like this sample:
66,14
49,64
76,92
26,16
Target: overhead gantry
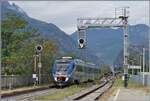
84,23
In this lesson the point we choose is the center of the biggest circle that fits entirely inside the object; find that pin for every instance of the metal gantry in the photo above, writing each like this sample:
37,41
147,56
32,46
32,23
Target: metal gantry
84,23
87,22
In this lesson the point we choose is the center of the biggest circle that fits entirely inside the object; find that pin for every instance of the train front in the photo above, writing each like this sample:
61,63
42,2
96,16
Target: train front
62,71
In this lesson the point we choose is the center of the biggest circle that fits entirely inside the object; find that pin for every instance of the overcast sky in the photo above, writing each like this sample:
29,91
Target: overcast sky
64,14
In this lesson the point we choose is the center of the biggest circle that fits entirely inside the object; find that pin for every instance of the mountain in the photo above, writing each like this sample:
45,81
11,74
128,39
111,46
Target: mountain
107,43
47,31
135,52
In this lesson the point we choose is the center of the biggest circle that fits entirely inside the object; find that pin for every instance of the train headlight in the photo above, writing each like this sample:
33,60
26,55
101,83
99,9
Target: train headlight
66,79
55,78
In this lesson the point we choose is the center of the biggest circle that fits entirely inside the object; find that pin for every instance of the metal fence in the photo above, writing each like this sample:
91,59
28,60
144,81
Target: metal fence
139,78
13,81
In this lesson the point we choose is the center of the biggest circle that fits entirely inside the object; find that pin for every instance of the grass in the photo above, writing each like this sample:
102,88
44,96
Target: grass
131,83
65,92
60,94
107,94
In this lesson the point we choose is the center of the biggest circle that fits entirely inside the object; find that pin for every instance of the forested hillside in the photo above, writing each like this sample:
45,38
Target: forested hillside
18,47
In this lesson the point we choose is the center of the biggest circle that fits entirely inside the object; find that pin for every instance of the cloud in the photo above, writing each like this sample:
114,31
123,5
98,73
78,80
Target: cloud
64,13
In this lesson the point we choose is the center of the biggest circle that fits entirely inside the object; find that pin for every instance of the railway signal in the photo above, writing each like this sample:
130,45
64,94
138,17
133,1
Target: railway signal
81,38
81,43
39,48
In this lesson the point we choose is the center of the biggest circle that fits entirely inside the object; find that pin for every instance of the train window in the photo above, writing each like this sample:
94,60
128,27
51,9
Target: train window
62,66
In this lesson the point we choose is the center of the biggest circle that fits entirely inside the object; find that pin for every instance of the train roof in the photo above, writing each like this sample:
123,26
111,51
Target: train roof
77,62
86,64
64,59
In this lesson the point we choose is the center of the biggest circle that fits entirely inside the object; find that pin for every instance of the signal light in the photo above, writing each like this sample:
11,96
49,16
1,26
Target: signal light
81,43
39,48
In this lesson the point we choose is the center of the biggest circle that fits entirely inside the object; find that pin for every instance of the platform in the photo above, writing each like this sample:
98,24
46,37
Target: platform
130,94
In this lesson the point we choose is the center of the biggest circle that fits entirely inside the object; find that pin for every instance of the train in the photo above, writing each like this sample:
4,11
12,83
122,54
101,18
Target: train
66,71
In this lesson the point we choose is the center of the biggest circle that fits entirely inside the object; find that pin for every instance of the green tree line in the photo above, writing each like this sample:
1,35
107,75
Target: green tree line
18,47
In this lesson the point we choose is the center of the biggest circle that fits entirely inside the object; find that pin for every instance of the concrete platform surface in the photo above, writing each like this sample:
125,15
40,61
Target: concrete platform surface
126,94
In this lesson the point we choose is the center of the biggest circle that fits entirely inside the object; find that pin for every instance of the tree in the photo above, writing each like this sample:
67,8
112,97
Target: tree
105,68
11,39
18,47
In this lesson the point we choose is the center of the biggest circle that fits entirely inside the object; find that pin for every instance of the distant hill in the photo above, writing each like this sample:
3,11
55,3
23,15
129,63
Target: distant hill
134,54
107,43
48,31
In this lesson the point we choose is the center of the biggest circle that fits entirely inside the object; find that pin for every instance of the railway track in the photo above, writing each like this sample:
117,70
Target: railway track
28,94
96,92
19,92
33,95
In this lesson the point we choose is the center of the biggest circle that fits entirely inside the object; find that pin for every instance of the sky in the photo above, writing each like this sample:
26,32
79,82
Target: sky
64,14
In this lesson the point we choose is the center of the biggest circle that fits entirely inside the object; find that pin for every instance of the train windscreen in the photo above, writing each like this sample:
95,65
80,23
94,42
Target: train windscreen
62,66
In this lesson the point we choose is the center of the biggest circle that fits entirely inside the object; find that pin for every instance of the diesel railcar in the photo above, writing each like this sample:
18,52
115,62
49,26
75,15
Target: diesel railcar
67,70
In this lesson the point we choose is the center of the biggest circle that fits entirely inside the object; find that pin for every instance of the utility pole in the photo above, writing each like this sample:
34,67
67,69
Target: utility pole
39,66
34,75
125,45
143,65
140,64
35,63
132,66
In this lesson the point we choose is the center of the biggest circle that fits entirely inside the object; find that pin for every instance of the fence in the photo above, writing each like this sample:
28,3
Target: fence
139,78
13,81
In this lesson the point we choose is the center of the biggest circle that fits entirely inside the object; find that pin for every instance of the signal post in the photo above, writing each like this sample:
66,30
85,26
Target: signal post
37,63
